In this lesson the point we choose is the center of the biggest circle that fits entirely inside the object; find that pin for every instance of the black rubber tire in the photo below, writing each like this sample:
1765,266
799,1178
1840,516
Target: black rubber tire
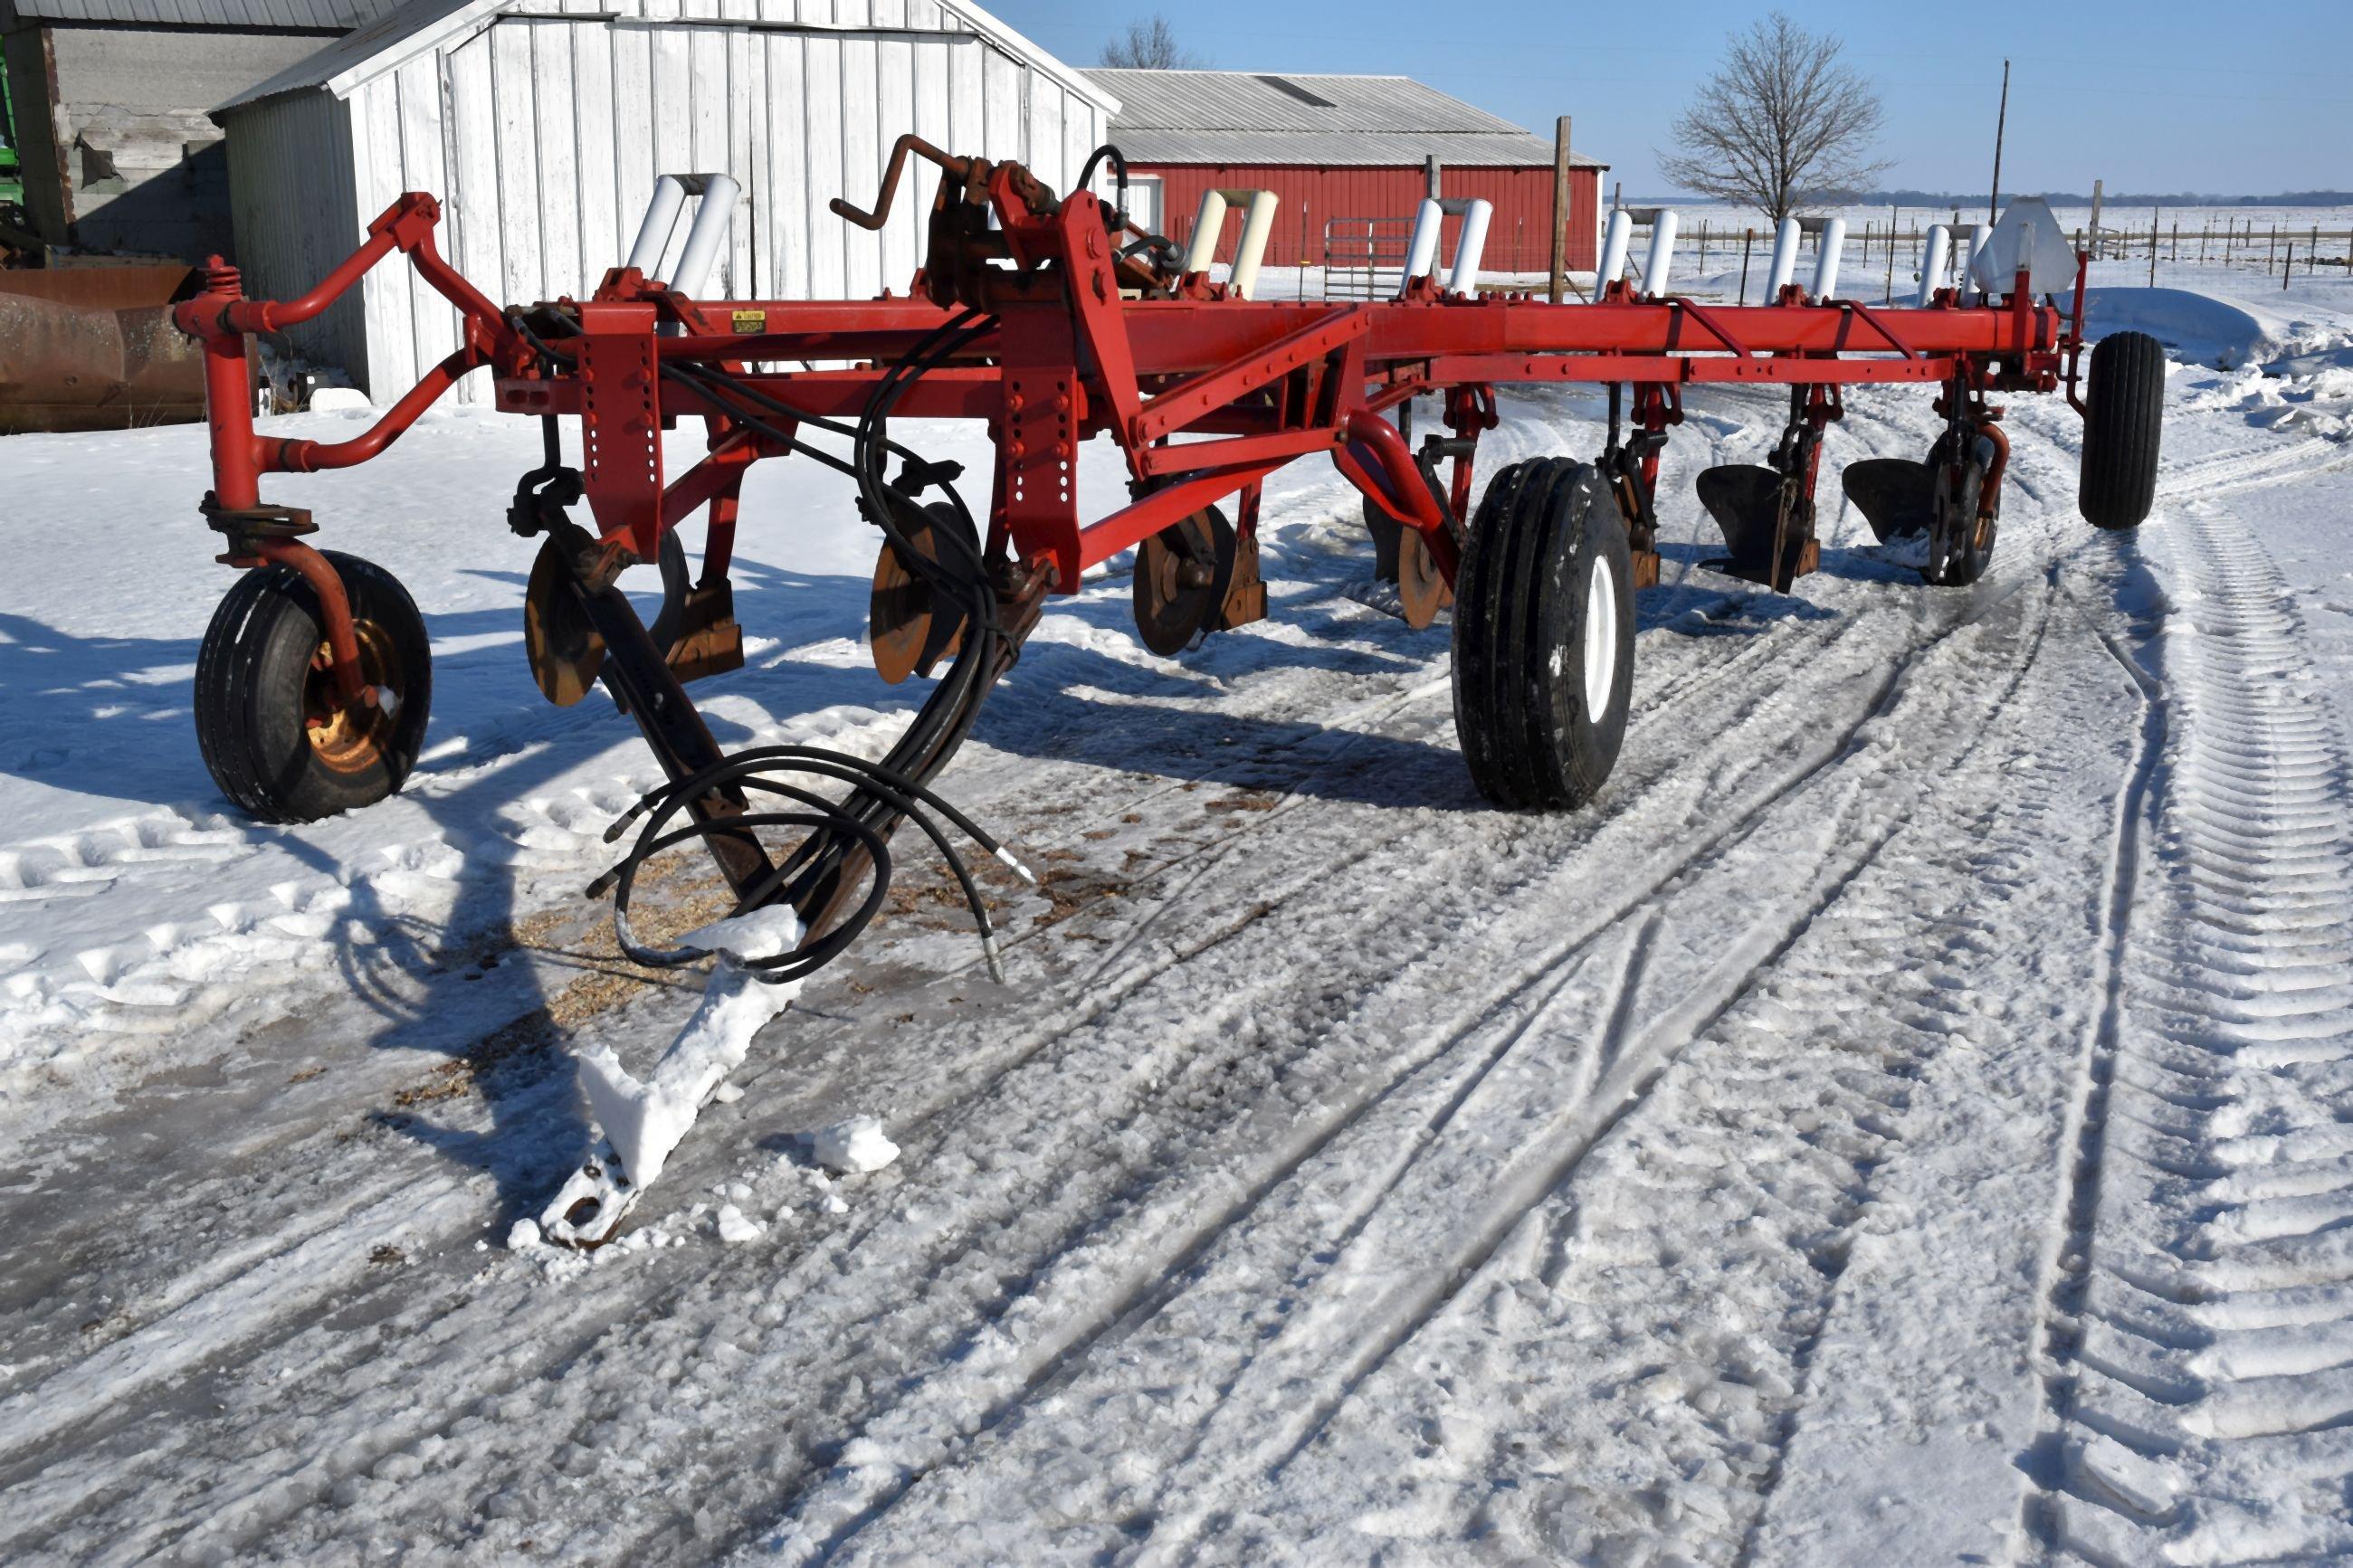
2122,424
251,676
1968,563
1530,738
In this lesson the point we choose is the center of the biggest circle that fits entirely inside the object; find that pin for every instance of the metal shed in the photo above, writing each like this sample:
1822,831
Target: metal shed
542,126
110,99
1343,147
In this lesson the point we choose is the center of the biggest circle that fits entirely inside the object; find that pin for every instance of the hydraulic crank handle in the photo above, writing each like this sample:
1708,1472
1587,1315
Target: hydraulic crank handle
960,169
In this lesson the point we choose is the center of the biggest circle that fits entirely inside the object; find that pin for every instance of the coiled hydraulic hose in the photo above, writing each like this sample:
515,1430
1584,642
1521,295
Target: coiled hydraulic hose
881,793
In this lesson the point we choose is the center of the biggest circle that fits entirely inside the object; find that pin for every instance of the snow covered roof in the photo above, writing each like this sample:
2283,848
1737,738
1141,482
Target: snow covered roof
401,34
1265,117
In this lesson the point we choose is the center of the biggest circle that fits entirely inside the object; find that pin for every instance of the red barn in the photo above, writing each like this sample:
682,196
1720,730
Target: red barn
1341,147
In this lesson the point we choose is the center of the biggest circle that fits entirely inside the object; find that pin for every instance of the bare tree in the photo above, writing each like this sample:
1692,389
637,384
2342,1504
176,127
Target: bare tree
1781,119
1150,45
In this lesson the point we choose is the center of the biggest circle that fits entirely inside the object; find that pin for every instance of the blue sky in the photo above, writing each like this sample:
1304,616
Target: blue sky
2155,95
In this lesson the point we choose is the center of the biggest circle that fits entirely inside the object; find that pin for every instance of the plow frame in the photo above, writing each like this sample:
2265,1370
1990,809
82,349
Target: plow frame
1205,395
1053,322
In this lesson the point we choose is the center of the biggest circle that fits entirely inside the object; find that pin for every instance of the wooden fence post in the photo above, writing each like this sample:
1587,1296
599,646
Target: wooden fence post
1747,239
1559,209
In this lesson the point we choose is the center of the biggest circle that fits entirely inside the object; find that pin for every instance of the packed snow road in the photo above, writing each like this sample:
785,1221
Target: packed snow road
1908,1106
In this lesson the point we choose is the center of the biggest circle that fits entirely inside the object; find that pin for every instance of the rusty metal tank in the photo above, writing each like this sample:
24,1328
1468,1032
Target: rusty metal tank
92,347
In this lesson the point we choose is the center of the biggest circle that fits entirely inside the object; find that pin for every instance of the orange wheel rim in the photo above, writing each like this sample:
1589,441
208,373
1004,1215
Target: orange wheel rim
350,738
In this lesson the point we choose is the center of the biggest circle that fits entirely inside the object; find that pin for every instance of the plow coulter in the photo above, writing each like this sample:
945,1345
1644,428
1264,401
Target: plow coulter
1054,321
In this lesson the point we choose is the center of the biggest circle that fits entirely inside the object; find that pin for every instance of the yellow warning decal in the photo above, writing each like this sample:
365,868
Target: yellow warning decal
751,320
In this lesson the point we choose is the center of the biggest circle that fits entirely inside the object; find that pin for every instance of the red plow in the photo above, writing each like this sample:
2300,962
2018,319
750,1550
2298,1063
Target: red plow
1054,321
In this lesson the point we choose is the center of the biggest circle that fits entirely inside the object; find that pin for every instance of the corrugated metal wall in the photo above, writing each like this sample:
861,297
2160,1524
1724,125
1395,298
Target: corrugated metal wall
290,199
543,136
1519,237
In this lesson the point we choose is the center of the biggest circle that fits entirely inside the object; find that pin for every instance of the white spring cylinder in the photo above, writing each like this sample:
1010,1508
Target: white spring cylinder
1614,244
709,235
1421,246
1661,257
662,217
1936,255
1465,277
1258,227
1826,258
1979,234
1209,226
1785,259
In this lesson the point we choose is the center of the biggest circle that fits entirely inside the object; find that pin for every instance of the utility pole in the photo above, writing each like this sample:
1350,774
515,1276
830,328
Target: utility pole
2000,123
1559,209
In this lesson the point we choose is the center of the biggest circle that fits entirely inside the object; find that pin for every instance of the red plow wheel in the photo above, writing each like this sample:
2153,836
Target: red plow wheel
276,733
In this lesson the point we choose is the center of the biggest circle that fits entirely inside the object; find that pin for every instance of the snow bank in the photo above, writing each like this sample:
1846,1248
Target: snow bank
645,1119
2217,330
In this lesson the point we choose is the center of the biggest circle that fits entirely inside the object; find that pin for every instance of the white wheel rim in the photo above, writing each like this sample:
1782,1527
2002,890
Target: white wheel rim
1600,637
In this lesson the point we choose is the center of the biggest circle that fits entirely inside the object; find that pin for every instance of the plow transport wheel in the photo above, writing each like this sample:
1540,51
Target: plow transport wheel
1543,635
274,734
2124,418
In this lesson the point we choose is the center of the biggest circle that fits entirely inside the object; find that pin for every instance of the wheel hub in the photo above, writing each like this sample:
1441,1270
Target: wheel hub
350,737
1181,577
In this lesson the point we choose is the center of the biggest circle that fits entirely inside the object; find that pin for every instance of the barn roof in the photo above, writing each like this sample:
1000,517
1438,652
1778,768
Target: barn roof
401,33
322,15
1268,117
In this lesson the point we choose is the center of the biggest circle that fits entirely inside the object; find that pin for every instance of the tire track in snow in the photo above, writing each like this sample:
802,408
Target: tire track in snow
2201,1404
1716,735
1722,734
1522,1010
514,1360
1655,1322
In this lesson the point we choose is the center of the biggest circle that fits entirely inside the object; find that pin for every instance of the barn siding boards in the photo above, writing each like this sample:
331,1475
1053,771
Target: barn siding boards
543,134
471,150
305,154
380,176
424,162
861,147
605,231
633,151
830,239
788,194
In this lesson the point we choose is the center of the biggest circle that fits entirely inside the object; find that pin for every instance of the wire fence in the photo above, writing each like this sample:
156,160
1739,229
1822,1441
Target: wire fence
1364,258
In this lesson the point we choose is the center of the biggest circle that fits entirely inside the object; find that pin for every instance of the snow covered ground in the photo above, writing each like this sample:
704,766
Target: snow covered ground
1904,1119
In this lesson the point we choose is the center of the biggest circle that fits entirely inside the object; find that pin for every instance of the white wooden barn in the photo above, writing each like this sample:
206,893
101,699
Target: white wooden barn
542,125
